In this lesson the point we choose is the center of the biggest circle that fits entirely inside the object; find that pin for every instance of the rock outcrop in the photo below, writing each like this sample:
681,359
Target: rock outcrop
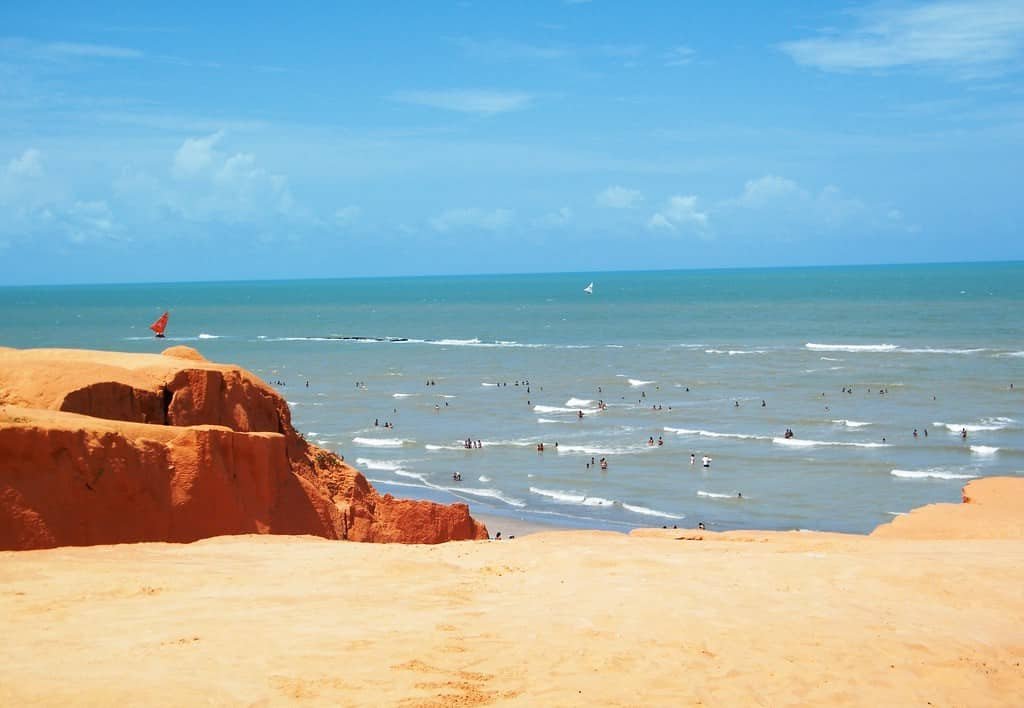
104,447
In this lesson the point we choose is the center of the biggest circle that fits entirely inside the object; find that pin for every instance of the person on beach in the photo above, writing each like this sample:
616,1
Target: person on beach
705,461
693,459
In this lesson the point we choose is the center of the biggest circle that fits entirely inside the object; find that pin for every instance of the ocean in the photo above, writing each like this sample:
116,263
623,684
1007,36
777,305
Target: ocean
716,363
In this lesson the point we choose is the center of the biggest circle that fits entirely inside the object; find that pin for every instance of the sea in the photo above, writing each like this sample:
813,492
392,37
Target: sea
396,374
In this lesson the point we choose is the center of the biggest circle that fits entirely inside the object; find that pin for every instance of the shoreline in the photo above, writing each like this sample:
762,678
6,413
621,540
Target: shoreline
511,526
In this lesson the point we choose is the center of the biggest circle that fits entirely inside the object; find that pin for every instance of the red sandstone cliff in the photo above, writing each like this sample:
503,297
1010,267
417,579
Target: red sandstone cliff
104,447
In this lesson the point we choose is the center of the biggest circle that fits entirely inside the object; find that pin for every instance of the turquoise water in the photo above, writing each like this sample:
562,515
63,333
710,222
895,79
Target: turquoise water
670,353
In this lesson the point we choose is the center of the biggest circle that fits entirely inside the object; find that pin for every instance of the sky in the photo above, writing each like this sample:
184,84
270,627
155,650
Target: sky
145,142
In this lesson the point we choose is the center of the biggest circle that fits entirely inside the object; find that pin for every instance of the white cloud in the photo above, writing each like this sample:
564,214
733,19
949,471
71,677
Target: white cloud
28,164
482,102
86,221
473,218
679,211
212,185
784,205
965,36
556,218
679,56
346,215
195,154
102,51
619,198
769,189
505,50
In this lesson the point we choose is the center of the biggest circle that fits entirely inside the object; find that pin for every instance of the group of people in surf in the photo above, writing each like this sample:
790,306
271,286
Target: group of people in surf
650,441
788,434
469,444
705,461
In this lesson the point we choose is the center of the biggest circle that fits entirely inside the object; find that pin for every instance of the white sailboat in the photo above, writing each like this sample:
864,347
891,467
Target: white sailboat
589,290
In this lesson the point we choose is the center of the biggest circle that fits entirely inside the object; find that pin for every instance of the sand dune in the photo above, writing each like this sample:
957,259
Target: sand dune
563,618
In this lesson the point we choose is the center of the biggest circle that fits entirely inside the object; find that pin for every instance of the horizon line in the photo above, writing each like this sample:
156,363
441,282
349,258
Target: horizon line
510,274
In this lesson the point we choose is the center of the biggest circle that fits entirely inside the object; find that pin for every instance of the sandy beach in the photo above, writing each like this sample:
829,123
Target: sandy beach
552,618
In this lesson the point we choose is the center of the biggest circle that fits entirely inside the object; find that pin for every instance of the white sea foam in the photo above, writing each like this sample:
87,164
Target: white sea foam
798,442
939,350
734,352
204,335
651,512
850,423
1013,354
716,495
509,443
381,442
386,465
563,409
488,384
713,434
579,402
488,494
984,450
598,449
852,348
484,478
396,483
829,358
432,447
403,395
571,497
413,475
638,382
993,423
550,420
456,342
930,473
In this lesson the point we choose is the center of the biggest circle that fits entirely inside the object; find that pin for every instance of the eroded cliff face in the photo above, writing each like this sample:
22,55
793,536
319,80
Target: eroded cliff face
103,447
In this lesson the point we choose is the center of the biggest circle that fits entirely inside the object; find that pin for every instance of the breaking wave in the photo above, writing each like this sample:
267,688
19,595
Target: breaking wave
716,495
713,434
994,423
852,348
571,497
850,423
930,474
382,442
798,442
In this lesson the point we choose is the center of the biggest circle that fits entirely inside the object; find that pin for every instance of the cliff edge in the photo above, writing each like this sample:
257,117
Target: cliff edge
107,447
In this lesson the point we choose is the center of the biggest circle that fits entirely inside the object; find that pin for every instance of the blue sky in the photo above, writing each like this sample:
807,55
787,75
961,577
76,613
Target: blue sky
143,142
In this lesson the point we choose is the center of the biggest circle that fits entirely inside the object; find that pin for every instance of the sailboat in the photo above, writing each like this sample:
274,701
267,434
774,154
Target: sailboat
589,290
160,325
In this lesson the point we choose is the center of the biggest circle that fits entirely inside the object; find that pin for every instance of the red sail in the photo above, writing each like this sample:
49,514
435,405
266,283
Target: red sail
160,325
